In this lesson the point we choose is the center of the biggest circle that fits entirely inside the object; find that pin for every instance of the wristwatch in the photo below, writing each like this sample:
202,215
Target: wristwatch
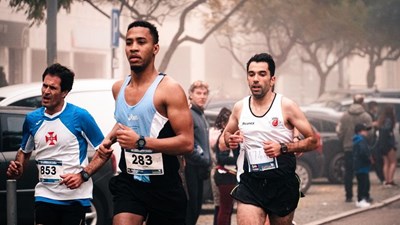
140,143
85,176
284,148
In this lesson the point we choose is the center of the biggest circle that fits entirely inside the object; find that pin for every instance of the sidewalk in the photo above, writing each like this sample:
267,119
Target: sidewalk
325,202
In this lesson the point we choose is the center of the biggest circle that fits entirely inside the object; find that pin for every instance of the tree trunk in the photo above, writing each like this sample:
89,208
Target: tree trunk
371,76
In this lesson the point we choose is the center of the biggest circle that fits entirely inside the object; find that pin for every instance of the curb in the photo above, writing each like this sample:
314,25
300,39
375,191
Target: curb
355,211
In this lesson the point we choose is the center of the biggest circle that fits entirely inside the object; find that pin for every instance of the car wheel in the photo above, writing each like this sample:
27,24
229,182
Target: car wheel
304,172
336,169
96,215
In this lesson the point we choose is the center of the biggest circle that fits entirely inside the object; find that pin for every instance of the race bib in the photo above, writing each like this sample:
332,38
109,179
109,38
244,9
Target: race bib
259,161
143,162
50,171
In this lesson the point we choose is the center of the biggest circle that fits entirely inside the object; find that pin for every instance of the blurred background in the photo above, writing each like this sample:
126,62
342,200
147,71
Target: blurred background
318,46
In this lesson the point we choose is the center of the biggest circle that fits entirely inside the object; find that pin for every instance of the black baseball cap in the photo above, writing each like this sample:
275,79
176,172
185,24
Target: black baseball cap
361,126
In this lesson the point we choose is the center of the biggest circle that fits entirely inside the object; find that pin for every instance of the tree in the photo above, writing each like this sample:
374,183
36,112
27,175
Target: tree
152,10
380,40
261,25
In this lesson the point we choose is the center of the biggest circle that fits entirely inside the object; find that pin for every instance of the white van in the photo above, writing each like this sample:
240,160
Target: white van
93,95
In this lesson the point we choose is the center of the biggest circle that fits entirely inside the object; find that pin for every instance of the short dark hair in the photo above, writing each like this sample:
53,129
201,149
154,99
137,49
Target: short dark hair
66,75
150,26
263,57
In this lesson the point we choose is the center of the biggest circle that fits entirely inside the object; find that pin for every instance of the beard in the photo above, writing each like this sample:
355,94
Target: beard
137,69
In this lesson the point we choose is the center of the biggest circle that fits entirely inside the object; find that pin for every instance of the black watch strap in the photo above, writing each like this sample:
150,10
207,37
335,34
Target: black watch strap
284,148
85,176
140,143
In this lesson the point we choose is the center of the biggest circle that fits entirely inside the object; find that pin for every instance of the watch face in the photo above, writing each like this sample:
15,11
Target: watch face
85,176
141,143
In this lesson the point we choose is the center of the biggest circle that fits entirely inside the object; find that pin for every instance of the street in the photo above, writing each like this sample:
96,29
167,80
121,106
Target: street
324,202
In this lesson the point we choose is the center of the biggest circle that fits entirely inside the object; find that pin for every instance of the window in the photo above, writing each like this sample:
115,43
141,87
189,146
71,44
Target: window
11,131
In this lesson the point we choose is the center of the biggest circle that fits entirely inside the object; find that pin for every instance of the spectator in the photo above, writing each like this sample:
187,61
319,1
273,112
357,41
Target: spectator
377,159
387,143
354,115
362,164
225,175
198,162
3,79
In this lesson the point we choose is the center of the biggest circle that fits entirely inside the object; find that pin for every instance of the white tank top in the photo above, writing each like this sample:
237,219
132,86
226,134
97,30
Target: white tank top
257,129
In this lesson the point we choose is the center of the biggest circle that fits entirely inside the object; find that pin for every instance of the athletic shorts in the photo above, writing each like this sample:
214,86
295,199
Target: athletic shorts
53,214
278,196
159,205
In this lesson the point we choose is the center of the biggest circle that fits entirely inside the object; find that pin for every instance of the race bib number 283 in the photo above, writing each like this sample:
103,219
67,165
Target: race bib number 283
143,162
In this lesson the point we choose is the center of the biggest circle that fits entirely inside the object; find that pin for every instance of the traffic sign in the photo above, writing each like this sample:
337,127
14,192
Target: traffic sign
115,28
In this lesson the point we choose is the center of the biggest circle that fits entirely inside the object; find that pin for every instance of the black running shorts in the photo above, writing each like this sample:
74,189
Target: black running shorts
160,205
278,196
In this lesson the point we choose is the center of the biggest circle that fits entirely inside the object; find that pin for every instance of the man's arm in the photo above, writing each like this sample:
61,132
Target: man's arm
298,120
180,118
16,168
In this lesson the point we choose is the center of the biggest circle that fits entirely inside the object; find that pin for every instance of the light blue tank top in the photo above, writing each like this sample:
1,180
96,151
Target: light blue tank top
141,117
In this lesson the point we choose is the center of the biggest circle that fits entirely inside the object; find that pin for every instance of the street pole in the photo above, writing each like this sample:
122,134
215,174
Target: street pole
11,202
51,35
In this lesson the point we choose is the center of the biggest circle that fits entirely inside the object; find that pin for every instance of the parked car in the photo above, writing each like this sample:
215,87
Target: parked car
309,165
326,124
11,121
343,104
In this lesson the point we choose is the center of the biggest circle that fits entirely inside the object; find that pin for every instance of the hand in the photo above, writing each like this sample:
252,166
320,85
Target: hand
14,170
126,137
272,149
72,180
105,149
235,139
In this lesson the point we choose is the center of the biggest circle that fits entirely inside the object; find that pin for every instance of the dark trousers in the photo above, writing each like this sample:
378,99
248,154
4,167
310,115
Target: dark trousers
378,163
363,186
348,174
195,191
225,204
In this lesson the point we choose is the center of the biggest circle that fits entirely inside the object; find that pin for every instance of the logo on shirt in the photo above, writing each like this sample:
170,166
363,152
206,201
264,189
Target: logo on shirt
247,123
51,138
132,117
274,121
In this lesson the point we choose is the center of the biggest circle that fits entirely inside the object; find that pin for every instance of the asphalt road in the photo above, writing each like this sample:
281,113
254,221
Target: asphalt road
386,215
325,203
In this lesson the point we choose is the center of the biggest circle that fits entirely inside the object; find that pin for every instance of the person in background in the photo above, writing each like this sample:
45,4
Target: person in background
61,135
3,79
153,128
263,125
198,162
214,133
345,130
225,175
387,143
377,159
362,164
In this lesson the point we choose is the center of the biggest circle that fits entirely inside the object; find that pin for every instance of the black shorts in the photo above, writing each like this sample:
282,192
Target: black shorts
160,205
278,196
53,214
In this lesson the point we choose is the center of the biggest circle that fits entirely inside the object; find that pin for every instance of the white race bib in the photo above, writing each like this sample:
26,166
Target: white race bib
143,162
50,171
259,161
